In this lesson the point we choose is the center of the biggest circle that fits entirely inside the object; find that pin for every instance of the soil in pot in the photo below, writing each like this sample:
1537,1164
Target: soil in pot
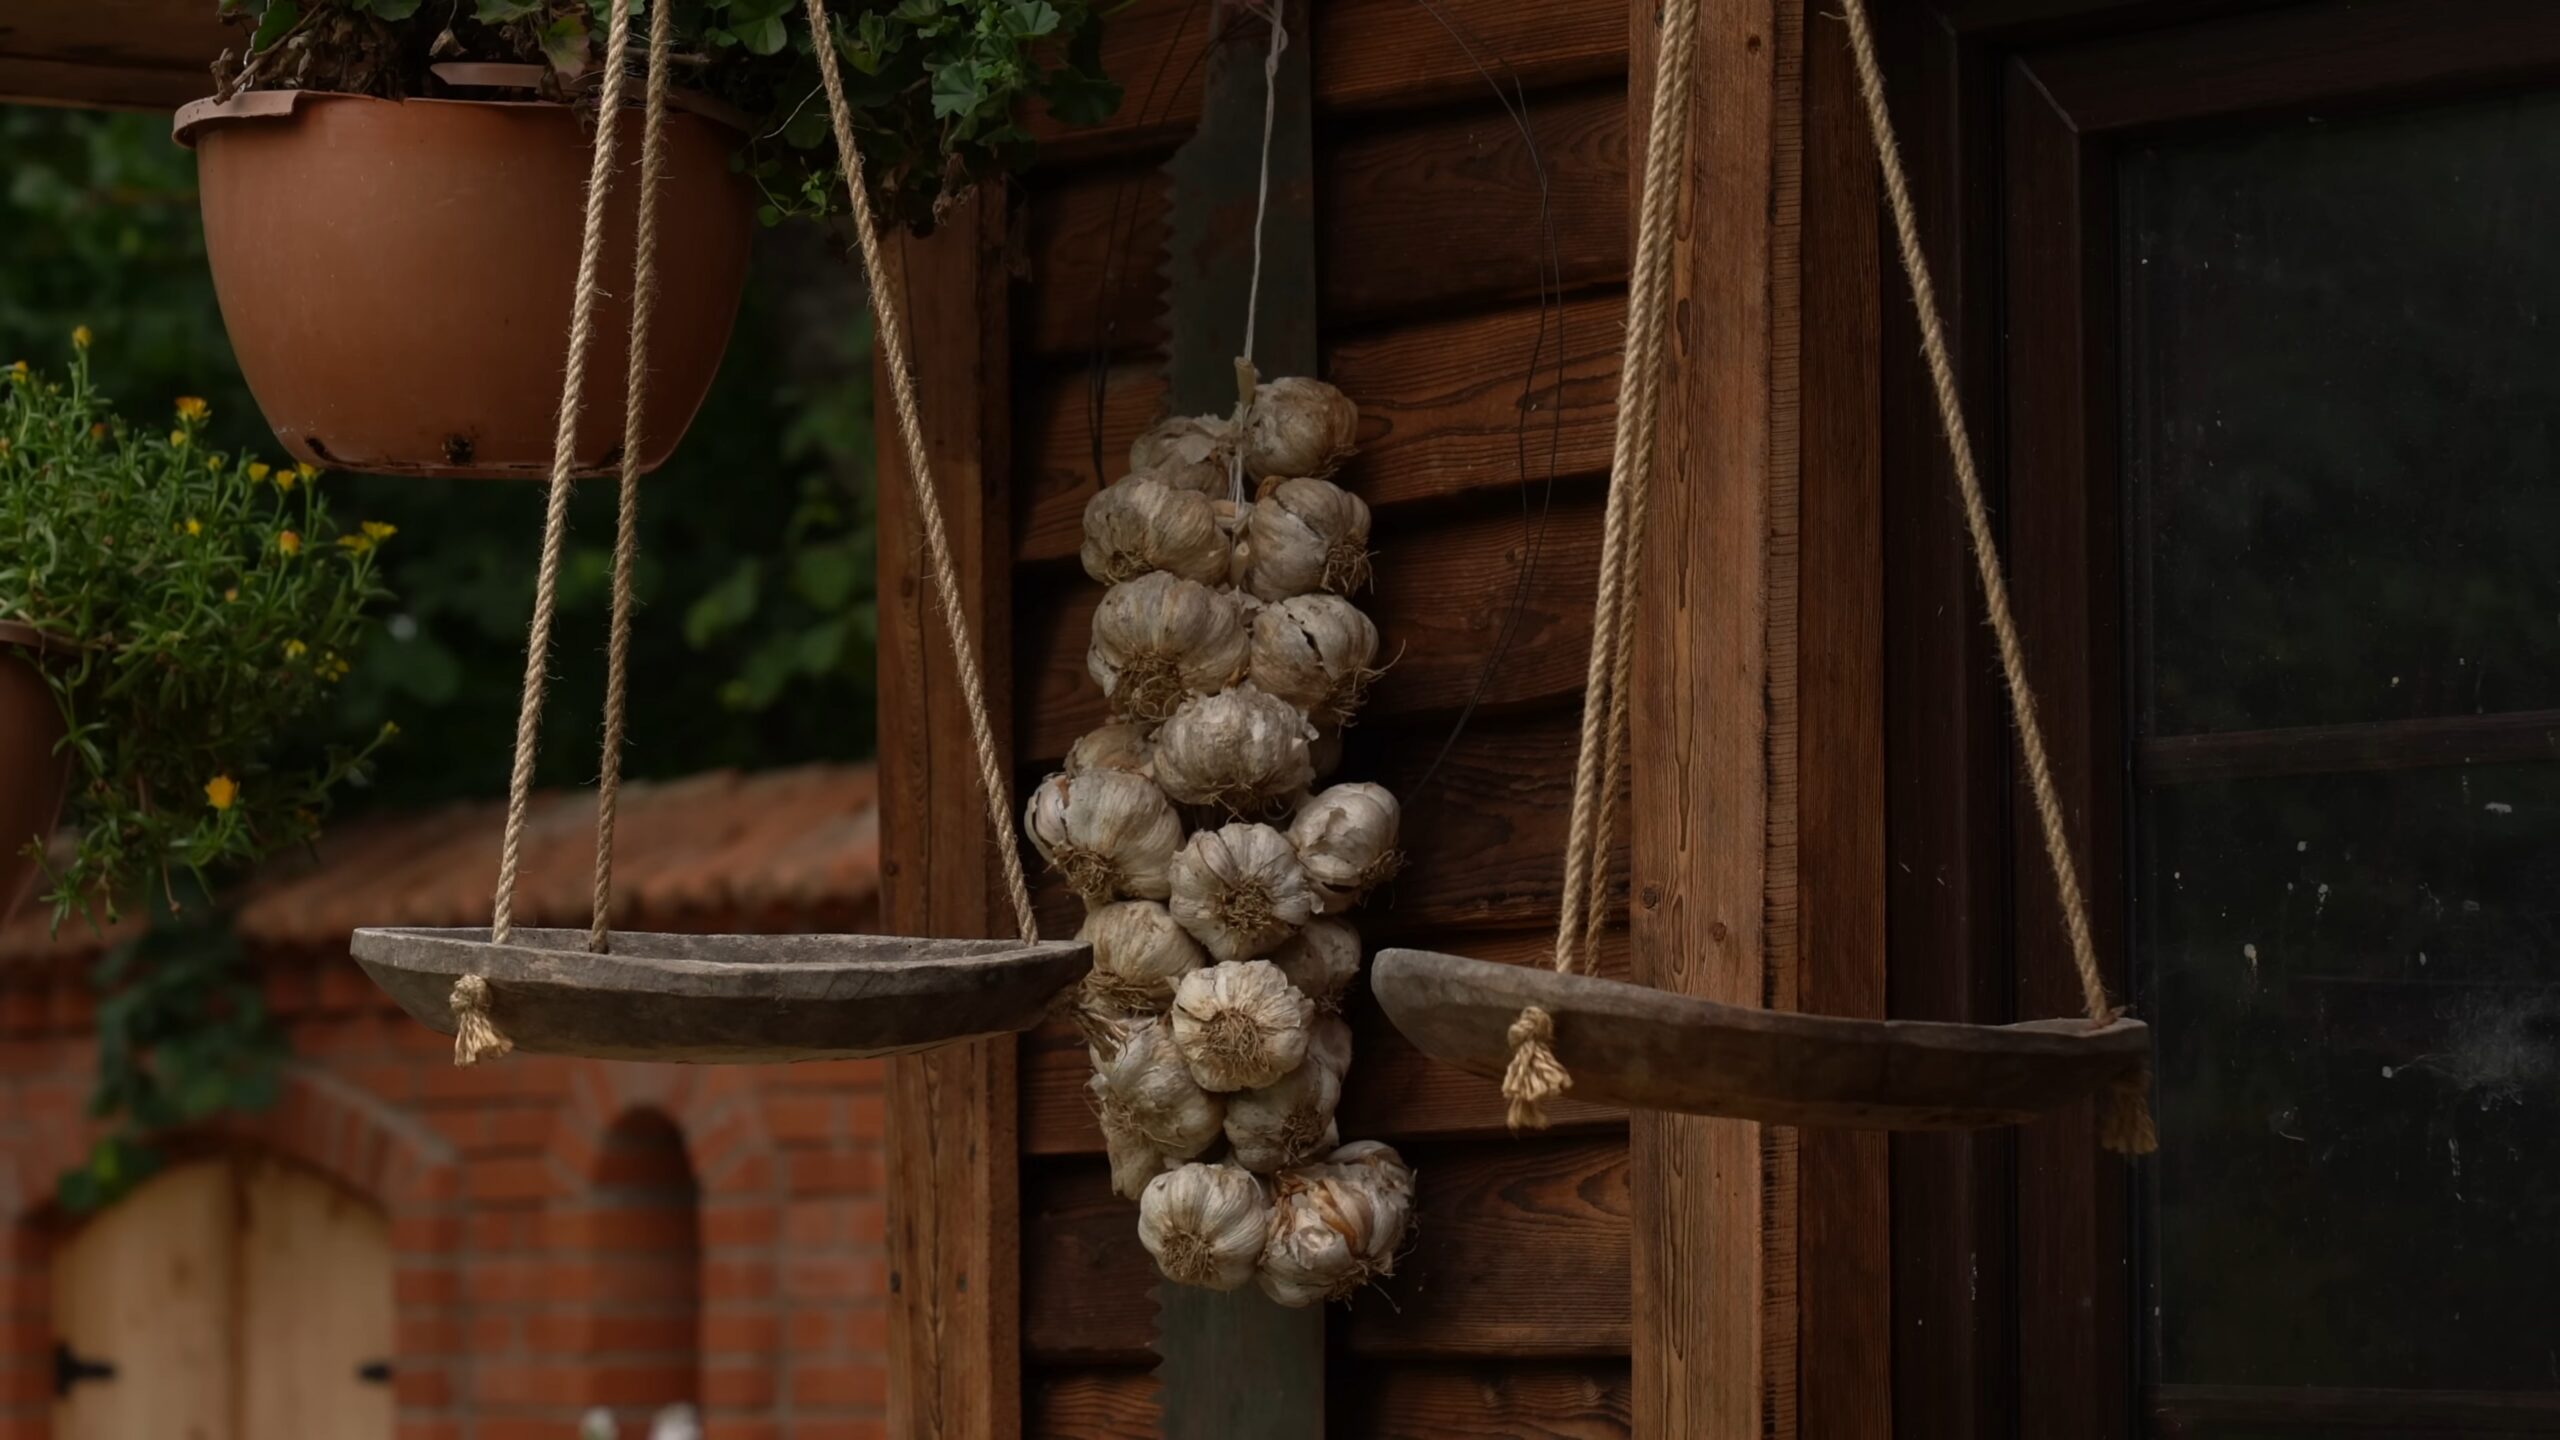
396,276
33,771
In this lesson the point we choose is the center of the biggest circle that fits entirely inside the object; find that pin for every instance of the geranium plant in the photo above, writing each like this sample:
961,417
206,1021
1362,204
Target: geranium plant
939,87
208,601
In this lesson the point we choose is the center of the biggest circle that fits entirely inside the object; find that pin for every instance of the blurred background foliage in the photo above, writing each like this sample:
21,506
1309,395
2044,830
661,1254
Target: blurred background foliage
756,639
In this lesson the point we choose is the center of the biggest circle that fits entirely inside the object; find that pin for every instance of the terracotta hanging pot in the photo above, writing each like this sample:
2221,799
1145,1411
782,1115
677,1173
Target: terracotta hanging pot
397,276
33,769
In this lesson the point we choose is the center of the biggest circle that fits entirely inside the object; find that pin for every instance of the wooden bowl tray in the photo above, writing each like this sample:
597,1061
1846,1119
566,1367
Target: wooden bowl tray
1651,1050
726,999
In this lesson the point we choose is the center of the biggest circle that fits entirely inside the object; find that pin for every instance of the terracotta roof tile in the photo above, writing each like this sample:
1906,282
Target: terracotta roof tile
687,853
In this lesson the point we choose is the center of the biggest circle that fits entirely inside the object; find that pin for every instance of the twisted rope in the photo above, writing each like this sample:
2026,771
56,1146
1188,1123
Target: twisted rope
902,390
1535,1075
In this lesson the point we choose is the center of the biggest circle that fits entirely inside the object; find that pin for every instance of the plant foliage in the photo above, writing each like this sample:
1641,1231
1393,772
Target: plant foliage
210,602
939,87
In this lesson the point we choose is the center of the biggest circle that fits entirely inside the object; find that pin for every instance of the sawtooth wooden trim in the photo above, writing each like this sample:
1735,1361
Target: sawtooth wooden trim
954,1267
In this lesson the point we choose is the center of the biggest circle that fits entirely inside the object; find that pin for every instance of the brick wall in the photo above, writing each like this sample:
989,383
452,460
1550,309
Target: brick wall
545,1261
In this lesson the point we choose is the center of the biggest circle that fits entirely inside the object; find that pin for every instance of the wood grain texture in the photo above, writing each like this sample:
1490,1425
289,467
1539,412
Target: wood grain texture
1422,215
126,54
1409,1400
1701,721
1518,1250
1446,409
1086,1281
152,1287
1091,1403
954,1311
1454,596
1844,1203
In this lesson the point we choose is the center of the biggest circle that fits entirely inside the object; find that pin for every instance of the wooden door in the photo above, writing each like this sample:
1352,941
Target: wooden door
224,1300
315,1309
148,1288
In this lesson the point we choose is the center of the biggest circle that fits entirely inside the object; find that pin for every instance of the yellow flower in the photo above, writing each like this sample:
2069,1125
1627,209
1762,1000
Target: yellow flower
355,544
213,463
192,408
333,667
221,792
178,439
390,728
98,431
194,526
290,542
295,649
307,472
18,373
380,530
259,470
231,594
80,337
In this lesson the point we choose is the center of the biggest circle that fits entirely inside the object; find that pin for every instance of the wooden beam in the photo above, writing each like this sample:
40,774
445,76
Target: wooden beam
1713,859
954,1242
120,54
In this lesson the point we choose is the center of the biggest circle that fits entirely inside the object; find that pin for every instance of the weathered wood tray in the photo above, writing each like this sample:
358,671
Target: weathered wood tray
1652,1050
726,999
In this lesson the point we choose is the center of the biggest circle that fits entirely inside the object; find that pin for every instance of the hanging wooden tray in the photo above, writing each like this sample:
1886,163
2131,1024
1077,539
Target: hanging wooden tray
1651,1050
726,999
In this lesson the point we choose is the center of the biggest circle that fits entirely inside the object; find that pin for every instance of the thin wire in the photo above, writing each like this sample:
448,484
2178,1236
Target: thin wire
1262,193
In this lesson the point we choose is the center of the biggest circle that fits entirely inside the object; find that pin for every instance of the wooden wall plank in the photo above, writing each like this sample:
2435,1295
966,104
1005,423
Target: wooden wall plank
1433,1401
1701,758
1086,1281
954,1305
1093,1403
1442,413
1421,216
133,54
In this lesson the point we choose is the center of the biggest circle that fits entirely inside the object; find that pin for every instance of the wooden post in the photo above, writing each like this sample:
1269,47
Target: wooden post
1713,906
954,1252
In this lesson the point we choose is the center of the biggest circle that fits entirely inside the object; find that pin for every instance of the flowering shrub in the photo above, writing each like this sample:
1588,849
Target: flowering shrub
938,87
211,600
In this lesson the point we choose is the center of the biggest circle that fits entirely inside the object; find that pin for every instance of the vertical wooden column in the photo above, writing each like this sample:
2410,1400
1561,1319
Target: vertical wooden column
954,1252
1714,583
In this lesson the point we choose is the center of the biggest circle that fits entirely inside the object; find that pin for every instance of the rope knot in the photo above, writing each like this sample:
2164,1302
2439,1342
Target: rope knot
476,1037
1536,1075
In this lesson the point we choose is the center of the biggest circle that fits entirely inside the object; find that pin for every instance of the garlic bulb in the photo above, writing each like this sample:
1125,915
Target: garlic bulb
1240,1025
1240,890
1235,749
1134,1158
1321,960
1333,1229
1314,651
1204,1224
1374,1158
1325,751
1160,638
1139,954
1287,1122
1188,452
1113,747
1346,839
1144,1088
1329,1044
1143,524
1109,832
1302,536
1299,426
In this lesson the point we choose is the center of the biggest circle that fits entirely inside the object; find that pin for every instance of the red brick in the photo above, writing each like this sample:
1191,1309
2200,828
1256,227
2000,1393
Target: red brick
844,1386
744,1225
524,1180
743,1386
804,1117
733,1333
853,1173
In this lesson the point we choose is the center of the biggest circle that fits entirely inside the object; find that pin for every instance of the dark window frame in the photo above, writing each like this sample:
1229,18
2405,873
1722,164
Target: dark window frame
2016,1270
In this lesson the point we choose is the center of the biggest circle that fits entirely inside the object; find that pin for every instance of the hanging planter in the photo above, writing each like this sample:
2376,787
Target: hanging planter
34,767
396,275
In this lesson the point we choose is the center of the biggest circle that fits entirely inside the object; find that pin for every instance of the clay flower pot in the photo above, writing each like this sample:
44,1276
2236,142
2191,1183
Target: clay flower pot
397,275
33,772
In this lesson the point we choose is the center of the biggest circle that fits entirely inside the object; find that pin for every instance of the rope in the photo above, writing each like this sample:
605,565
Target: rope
475,1036
555,525
626,539
1248,378
946,576
1535,1074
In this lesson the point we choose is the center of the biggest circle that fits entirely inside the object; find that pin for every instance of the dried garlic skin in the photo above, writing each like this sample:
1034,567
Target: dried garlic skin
1321,960
1134,1158
1333,1230
1159,639
1140,952
1326,750
1329,1044
1288,1122
1346,840
1123,746
1318,652
1185,445
1240,1025
1144,1087
1111,834
1205,1225
1303,536
1143,524
1299,426
1236,750
1239,890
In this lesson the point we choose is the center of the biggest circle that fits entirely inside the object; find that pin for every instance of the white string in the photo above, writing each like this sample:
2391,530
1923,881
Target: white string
1246,375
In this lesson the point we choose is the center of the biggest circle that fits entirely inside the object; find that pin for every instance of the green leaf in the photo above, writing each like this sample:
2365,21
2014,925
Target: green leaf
279,19
393,9
725,606
762,37
564,44
827,577
499,12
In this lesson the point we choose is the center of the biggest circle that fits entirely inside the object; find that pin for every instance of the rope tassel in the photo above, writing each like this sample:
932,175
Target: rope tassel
2124,1115
1536,1076
476,1036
